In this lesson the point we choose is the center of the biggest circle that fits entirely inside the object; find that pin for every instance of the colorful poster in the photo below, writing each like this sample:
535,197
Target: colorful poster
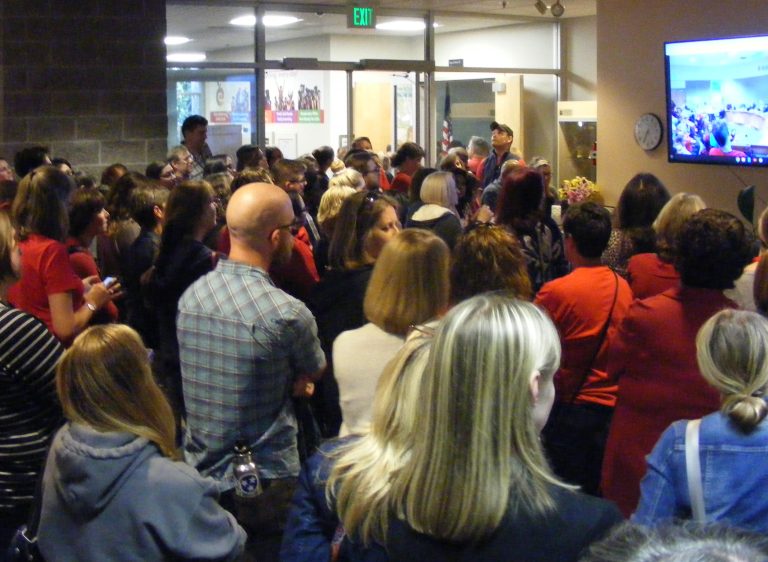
293,97
228,102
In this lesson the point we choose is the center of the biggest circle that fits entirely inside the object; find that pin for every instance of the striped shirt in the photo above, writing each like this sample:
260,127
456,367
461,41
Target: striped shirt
29,409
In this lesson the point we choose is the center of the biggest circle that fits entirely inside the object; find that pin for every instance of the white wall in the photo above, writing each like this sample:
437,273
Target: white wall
529,45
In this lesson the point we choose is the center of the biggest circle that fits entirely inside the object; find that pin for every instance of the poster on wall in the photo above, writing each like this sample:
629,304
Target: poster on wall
228,102
292,98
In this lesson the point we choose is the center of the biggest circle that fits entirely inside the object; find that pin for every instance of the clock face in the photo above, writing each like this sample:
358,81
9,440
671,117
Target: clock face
648,131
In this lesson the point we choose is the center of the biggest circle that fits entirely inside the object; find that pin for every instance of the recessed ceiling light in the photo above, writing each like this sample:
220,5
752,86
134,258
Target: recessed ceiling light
185,57
176,40
270,20
278,21
244,21
403,25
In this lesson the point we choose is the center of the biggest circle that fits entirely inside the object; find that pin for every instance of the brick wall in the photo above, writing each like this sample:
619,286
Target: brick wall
86,78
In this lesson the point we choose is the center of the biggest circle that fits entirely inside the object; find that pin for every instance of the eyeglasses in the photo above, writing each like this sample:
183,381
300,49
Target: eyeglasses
295,223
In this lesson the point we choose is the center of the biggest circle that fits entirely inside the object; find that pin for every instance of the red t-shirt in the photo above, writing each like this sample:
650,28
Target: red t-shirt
579,304
84,266
45,270
648,275
401,183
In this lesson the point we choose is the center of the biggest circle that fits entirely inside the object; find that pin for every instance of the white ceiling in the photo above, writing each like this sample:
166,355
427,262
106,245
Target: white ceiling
207,22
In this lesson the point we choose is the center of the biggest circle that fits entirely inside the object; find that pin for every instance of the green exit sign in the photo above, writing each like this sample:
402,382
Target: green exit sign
361,17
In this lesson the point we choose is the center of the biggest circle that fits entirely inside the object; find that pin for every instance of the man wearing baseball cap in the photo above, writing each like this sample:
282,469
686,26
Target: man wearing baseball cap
501,141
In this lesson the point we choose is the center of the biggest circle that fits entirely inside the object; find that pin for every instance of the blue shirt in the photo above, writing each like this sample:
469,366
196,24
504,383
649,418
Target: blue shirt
242,343
733,469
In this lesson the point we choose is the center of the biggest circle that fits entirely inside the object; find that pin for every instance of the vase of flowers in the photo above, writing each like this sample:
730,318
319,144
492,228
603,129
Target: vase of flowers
577,190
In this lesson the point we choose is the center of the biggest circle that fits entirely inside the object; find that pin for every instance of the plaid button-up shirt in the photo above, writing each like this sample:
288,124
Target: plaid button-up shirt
242,343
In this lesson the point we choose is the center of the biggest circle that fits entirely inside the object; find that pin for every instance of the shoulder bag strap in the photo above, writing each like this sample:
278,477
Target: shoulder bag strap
693,471
600,340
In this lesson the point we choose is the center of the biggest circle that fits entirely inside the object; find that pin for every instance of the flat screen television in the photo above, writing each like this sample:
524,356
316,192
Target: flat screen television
717,101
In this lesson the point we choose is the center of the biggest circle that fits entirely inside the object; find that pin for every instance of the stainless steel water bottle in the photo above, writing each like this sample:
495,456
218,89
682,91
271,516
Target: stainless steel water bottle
247,484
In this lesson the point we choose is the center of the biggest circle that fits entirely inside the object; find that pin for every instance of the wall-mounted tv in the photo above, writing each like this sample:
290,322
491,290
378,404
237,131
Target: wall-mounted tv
717,101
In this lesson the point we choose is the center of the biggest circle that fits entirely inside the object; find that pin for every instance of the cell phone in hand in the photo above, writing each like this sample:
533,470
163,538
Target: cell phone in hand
109,281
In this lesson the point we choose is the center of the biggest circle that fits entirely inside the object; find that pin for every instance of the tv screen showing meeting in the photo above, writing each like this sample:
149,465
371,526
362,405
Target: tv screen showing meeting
717,101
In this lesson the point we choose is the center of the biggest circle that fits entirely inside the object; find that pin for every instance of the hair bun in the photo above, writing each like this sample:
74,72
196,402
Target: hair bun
748,411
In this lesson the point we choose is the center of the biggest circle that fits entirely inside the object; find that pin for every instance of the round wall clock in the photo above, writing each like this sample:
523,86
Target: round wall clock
648,131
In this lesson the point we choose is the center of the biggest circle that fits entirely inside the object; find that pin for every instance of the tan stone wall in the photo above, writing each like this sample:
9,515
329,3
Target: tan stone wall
85,78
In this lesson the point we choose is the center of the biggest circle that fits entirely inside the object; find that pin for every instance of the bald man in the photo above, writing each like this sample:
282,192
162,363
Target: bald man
245,348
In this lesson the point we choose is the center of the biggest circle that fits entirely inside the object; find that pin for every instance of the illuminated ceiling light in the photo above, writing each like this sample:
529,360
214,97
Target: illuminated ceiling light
279,21
541,7
401,25
270,20
244,21
185,57
176,40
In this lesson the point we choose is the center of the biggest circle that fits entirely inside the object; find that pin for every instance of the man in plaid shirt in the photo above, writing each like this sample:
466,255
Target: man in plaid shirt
245,348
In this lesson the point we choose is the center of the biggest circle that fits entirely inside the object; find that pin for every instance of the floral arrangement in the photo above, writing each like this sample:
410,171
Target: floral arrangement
577,190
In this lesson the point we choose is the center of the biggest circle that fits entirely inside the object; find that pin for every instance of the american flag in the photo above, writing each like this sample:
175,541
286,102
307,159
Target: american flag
447,125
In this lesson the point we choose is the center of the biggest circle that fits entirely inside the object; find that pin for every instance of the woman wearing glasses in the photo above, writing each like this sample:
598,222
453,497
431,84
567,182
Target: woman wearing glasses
366,222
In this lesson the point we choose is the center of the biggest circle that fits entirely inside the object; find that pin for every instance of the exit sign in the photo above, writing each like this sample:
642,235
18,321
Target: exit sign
361,17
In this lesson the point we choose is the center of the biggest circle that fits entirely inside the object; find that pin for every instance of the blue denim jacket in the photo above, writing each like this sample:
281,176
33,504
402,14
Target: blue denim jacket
734,470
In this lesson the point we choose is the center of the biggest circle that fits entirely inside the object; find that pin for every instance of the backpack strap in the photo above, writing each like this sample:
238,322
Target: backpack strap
693,471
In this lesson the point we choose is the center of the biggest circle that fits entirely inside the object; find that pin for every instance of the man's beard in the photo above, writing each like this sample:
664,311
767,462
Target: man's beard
283,252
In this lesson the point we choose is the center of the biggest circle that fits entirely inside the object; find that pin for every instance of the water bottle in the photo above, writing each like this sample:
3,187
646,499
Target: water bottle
247,484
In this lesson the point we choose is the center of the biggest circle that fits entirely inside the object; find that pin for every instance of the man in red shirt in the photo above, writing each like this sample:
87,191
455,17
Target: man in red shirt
587,307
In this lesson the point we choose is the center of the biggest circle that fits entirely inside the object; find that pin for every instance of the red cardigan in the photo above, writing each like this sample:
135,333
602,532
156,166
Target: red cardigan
654,358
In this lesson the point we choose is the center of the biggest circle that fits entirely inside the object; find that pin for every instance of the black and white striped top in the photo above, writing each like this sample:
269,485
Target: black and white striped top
29,409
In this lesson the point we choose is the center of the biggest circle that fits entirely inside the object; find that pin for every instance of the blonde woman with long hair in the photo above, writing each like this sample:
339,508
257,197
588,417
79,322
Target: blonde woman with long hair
470,479
313,529
731,354
112,489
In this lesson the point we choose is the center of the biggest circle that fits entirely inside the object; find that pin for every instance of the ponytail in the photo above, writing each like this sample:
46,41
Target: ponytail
731,349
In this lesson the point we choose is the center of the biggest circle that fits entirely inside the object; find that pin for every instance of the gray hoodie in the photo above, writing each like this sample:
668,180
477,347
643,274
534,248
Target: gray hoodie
113,496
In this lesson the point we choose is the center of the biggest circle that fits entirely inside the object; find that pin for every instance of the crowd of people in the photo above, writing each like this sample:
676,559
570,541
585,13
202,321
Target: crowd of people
420,363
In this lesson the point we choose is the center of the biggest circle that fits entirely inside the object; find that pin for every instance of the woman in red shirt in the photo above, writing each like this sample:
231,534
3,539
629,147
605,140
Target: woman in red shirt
650,274
87,219
49,289
654,354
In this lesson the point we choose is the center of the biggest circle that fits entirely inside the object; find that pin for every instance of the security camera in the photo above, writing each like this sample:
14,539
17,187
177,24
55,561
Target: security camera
557,9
